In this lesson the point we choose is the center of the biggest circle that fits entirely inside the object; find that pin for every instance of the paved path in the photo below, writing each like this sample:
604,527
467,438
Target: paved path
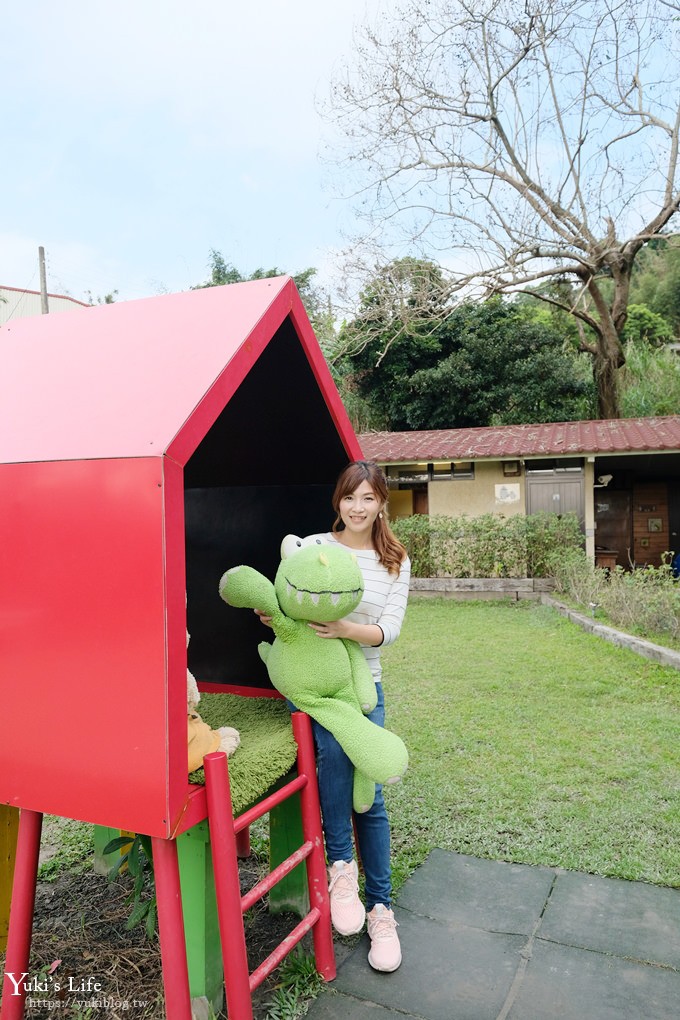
487,940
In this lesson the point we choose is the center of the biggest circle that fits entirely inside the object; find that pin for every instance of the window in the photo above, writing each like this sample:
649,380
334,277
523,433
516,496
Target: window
404,476
561,465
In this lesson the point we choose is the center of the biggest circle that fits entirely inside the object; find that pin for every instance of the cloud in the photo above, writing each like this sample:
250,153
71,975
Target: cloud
228,74
141,135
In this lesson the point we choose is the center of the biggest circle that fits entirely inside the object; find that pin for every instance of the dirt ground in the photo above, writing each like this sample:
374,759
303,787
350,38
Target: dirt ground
80,941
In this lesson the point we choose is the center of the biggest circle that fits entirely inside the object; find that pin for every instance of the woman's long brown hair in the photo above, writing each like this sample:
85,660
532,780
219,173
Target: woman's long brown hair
391,552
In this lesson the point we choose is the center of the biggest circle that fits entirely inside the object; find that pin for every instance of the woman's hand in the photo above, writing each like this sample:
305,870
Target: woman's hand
337,628
266,620
370,634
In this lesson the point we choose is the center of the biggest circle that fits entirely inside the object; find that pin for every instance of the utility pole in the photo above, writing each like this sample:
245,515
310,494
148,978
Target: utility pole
43,282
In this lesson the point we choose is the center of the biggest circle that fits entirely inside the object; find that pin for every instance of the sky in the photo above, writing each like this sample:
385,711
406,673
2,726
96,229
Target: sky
139,135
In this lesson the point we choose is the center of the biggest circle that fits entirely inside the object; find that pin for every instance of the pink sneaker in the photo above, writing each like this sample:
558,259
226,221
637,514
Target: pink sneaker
385,952
347,911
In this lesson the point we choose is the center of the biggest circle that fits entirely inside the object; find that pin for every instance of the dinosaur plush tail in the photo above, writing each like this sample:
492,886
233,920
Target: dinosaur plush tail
376,752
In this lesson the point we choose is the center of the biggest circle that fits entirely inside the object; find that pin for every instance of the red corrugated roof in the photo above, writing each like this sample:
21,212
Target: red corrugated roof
571,438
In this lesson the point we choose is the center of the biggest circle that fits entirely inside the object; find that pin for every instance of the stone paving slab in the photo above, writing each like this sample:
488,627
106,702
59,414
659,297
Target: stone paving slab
564,983
485,894
442,964
486,940
629,919
334,1006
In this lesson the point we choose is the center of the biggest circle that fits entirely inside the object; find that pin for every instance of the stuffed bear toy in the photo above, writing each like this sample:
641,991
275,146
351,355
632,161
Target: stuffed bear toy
328,678
201,738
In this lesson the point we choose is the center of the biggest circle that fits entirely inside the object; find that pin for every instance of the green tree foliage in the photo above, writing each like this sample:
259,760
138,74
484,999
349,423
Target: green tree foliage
402,303
643,323
645,326
651,381
503,369
548,303
477,364
107,299
392,335
656,280
223,272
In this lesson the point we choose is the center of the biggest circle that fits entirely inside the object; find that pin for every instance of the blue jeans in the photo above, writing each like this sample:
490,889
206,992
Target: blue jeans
335,775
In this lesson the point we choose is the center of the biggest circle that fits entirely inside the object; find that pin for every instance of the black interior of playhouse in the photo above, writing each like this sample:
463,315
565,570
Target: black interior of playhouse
265,469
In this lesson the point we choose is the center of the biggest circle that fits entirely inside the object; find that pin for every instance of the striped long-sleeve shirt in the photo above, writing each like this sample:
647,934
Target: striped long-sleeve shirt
384,599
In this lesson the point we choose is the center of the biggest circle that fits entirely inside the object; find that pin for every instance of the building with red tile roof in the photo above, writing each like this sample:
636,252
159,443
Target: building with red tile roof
552,439
621,476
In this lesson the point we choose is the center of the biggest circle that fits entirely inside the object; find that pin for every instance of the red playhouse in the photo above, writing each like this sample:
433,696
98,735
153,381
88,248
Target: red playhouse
145,447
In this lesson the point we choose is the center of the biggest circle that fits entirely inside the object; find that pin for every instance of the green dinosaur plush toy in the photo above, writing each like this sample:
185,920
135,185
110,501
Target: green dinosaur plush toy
326,677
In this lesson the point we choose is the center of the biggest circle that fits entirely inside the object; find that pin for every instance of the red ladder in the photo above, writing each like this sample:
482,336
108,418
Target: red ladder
224,833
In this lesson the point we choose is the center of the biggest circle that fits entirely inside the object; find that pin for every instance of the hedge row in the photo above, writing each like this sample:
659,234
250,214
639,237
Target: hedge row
487,546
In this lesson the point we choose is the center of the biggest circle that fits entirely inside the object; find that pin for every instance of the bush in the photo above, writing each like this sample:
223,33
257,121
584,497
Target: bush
549,537
643,601
487,546
576,577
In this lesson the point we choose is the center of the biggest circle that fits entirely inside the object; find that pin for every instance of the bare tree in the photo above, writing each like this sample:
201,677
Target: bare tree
525,141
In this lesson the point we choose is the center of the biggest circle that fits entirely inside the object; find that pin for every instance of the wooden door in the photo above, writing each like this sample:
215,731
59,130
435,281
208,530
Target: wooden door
614,524
420,501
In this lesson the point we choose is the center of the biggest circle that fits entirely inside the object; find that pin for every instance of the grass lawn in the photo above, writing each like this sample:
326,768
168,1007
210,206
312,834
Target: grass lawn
532,741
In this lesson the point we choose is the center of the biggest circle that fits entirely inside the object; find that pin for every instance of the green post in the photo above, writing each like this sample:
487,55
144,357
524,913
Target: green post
285,836
201,930
103,834
204,955
9,829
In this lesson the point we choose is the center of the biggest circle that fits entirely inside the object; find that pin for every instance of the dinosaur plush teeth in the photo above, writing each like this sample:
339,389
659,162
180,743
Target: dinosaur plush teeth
299,595
315,597
335,597
289,587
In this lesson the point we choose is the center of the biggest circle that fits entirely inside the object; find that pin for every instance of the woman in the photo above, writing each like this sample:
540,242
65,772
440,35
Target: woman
359,501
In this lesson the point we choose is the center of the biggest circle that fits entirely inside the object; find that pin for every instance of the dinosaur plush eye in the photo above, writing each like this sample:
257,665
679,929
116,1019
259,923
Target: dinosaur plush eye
290,544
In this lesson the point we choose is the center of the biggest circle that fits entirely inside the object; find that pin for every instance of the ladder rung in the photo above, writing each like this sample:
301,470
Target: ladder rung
253,813
282,950
279,872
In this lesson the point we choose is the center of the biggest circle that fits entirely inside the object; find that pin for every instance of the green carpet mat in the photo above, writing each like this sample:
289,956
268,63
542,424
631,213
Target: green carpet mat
267,750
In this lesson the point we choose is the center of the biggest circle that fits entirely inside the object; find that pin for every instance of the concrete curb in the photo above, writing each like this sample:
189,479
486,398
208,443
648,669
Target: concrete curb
481,587
665,656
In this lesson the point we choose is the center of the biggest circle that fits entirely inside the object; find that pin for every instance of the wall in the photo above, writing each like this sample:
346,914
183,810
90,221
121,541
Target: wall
479,495
400,503
20,304
589,506
481,587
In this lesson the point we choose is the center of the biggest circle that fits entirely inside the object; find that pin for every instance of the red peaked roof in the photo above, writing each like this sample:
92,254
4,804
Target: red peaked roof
571,438
140,378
